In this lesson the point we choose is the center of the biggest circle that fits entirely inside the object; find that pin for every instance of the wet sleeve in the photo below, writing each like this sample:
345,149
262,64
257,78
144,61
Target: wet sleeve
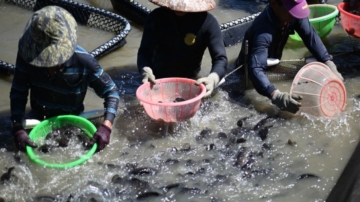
217,48
19,91
148,43
312,40
105,88
257,64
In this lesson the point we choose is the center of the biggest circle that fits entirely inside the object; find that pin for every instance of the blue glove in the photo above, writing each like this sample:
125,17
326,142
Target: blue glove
22,139
101,137
148,75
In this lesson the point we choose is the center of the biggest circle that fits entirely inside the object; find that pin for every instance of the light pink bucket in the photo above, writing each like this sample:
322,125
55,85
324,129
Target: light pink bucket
323,93
159,100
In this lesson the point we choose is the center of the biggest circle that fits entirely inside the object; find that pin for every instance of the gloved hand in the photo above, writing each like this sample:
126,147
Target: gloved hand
286,101
101,136
148,75
22,139
333,68
210,83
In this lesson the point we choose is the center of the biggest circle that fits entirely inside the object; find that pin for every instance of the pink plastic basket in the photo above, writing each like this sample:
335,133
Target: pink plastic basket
350,22
323,93
159,100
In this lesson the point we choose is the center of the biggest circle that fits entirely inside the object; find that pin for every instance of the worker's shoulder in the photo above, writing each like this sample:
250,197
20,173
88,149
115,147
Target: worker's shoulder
84,57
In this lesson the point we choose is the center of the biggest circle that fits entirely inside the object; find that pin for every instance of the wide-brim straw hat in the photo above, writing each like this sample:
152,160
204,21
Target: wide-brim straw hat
186,5
49,38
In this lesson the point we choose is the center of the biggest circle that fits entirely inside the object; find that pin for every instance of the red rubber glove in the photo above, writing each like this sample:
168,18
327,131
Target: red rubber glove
22,139
101,136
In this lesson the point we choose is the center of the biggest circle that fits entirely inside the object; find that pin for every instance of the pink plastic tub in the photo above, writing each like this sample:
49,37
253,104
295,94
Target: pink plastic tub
162,101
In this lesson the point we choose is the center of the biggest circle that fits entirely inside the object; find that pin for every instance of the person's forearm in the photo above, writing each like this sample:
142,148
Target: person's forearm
261,82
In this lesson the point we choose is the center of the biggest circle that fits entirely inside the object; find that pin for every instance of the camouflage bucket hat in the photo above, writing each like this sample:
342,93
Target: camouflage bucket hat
49,38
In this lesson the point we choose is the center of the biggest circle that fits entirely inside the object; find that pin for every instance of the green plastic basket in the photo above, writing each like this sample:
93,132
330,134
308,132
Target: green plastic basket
46,126
322,18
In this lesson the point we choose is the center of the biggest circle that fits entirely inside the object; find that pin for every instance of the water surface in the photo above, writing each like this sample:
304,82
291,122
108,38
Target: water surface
299,160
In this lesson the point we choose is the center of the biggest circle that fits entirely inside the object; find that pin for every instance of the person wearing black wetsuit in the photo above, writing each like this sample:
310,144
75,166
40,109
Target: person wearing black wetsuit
175,39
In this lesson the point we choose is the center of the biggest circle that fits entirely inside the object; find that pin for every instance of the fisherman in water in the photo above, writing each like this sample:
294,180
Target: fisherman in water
57,72
175,38
267,37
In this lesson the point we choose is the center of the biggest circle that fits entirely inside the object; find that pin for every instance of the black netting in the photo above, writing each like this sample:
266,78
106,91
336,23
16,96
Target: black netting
234,31
6,68
80,14
85,15
132,10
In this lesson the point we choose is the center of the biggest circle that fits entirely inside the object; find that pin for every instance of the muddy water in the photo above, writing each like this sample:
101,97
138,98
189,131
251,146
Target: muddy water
300,159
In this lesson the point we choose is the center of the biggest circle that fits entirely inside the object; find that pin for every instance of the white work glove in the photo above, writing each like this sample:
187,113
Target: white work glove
286,101
148,75
210,82
333,68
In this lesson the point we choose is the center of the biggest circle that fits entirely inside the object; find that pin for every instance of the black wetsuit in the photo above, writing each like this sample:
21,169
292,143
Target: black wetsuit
174,46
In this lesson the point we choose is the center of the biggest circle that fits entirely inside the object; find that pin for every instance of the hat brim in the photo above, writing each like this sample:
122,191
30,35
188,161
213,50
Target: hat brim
180,5
41,55
298,11
43,52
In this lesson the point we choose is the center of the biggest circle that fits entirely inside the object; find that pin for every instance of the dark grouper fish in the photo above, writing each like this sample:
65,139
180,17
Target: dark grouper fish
6,176
62,136
143,171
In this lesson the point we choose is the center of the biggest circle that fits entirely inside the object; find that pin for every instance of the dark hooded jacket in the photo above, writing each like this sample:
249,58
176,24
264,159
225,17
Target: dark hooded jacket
266,39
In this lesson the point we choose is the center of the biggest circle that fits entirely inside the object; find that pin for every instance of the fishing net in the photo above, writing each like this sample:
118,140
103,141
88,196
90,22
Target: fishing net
84,15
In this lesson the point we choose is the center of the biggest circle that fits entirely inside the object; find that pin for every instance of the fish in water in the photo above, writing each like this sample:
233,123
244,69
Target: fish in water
172,161
130,186
169,187
45,199
240,123
131,166
222,135
189,162
290,142
210,147
46,148
61,137
192,191
261,123
204,134
263,132
116,179
186,147
148,195
307,175
6,176
143,171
